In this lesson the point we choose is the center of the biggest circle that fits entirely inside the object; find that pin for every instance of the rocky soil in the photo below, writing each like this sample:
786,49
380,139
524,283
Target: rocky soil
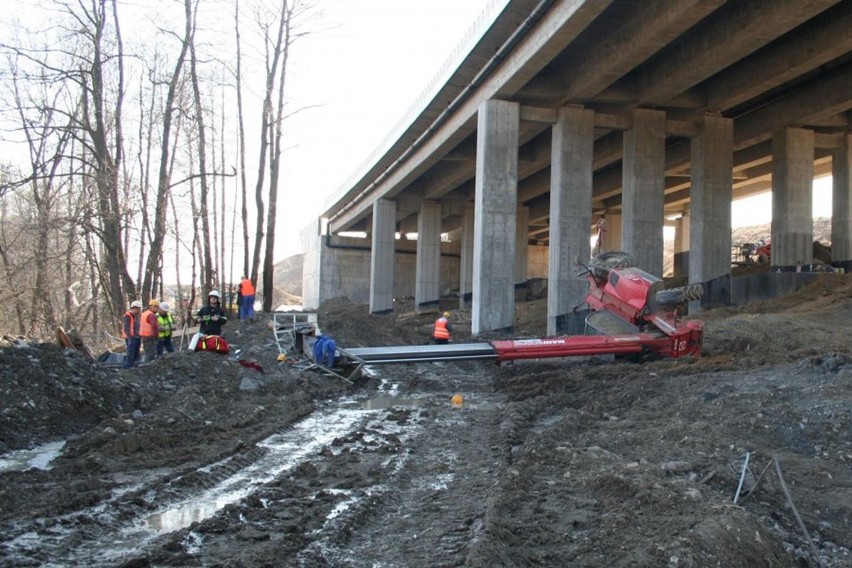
200,459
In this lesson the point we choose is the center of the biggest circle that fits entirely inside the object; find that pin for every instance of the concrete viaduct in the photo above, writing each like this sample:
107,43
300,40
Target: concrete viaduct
553,113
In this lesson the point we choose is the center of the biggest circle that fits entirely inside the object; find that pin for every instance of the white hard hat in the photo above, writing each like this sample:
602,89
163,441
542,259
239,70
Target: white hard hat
136,304
214,293
164,306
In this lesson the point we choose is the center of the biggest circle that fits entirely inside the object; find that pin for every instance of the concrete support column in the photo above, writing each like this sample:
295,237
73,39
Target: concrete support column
427,288
570,213
382,256
681,246
311,239
643,185
711,193
841,203
612,236
466,260
792,197
522,232
496,201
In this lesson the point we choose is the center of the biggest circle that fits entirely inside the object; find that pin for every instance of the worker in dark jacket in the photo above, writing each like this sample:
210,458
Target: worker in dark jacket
442,329
211,317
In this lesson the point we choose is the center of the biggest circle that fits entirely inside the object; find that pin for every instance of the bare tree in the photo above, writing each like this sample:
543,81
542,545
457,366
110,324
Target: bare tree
101,125
242,139
152,266
120,222
277,52
206,248
275,157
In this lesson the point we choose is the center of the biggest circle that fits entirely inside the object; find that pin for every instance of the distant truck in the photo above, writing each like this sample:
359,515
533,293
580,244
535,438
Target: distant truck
761,253
751,253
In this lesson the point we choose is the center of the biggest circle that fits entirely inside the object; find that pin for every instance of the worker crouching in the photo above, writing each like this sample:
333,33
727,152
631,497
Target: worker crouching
442,329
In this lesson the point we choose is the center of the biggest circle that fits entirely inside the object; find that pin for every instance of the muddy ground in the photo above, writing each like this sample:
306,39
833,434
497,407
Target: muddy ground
200,460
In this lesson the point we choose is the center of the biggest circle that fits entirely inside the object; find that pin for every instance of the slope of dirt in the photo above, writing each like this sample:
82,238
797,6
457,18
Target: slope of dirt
577,462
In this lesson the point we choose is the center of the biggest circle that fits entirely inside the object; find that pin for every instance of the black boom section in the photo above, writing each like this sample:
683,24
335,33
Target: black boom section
415,353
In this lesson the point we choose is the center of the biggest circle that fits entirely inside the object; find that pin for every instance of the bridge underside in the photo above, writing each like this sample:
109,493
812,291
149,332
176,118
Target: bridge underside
641,113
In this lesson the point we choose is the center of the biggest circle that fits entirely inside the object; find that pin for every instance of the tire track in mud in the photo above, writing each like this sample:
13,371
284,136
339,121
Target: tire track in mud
428,511
141,508
408,486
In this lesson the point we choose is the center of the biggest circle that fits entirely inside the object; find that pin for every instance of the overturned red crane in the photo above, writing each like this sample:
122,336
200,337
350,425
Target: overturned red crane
629,313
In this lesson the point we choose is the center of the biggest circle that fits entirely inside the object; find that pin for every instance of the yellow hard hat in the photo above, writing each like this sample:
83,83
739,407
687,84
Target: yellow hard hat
282,357
447,314
154,302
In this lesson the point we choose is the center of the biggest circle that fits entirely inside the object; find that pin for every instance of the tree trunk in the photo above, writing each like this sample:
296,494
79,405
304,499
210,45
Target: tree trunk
275,167
208,280
242,137
152,266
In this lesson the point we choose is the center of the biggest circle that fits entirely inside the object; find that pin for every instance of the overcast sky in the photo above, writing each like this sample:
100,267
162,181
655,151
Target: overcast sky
364,69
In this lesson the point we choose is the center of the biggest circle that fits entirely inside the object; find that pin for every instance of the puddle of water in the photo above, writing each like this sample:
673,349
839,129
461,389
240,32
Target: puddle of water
38,457
383,401
286,451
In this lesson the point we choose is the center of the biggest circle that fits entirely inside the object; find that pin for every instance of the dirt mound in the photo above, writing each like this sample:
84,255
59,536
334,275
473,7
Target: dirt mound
49,392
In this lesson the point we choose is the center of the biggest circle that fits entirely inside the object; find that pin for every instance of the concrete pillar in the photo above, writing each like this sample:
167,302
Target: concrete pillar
643,189
382,256
612,236
522,236
571,173
311,239
496,204
466,260
427,288
711,196
681,246
841,203
792,197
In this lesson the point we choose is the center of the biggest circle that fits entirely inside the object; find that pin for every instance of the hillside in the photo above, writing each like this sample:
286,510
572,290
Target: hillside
754,233
288,281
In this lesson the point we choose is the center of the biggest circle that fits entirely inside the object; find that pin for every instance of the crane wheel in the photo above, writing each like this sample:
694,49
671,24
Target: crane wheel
680,295
601,264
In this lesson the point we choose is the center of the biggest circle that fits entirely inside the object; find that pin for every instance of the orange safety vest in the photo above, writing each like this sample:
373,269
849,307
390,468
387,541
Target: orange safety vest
128,314
441,331
246,288
146,329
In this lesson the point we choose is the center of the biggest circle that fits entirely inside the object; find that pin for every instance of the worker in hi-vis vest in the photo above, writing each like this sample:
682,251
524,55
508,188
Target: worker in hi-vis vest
442,329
